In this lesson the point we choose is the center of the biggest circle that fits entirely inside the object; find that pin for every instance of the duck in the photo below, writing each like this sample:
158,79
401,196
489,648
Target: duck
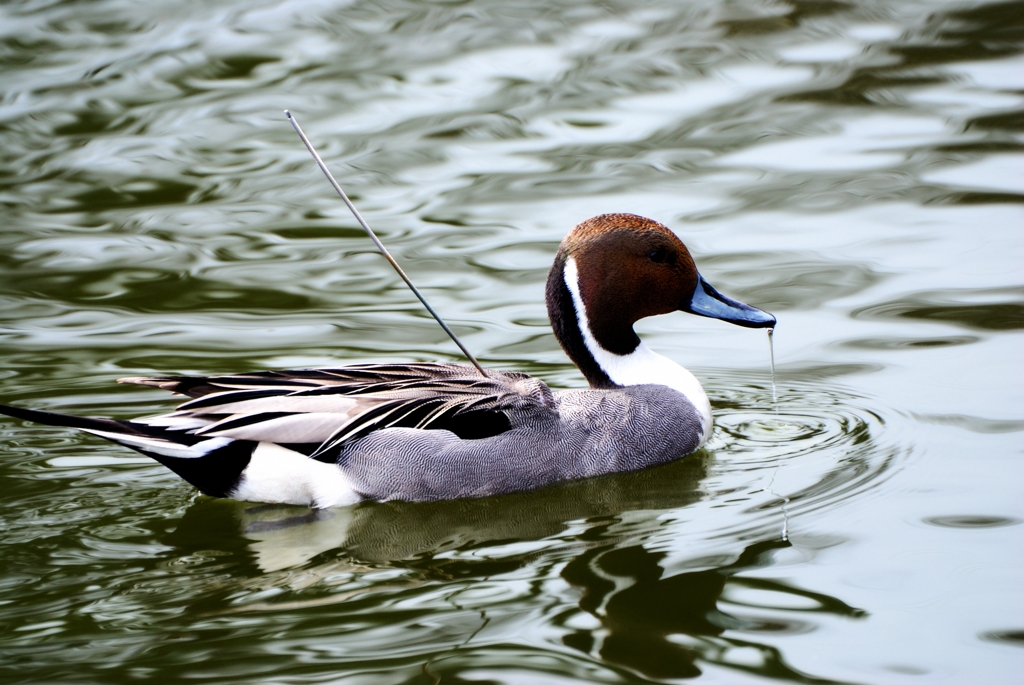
333,437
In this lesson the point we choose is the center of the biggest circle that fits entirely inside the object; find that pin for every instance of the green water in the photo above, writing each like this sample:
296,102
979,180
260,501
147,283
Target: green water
855,168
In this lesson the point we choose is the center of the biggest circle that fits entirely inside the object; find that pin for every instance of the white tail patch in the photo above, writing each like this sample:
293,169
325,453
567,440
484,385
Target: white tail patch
283,476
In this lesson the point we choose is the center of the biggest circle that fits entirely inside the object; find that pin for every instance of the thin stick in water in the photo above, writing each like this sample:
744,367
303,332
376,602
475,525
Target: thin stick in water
379,244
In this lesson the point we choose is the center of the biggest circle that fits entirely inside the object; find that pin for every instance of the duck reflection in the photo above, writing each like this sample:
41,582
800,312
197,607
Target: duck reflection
656,623
413,534
662,626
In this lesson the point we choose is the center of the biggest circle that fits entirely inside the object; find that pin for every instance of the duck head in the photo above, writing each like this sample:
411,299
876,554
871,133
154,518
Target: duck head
615,269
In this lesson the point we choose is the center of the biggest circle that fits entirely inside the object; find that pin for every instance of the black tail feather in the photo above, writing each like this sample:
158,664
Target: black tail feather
49,418
215,473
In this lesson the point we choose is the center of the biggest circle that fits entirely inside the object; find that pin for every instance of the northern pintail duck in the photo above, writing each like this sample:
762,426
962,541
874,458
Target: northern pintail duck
330,437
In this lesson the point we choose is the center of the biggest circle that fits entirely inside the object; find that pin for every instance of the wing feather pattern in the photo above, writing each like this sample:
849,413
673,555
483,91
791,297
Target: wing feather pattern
326,408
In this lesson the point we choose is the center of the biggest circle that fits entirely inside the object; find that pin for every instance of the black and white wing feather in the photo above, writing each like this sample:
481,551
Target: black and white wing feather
316,411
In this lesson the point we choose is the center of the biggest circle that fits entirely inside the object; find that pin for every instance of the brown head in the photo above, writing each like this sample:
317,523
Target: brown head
624,268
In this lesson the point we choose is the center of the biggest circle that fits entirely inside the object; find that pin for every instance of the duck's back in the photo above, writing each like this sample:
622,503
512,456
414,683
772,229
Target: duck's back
590,432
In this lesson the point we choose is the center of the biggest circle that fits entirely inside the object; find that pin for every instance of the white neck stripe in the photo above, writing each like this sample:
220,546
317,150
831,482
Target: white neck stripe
642,366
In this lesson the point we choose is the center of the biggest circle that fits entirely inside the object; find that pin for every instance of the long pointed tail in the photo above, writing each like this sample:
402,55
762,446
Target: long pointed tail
213,465
49,418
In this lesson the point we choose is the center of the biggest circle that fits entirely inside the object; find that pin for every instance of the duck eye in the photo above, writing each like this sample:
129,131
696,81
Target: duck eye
659,256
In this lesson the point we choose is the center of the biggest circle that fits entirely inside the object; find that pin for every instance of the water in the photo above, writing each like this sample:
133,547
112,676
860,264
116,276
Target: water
856,169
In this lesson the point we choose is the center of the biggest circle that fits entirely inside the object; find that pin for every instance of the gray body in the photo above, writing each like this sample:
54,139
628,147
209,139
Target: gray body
587,433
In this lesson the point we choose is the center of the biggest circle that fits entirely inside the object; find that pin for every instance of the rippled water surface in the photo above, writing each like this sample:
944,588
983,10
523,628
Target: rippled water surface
856,168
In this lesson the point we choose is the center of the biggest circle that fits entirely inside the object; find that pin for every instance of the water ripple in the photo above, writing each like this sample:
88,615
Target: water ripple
823,159
815,448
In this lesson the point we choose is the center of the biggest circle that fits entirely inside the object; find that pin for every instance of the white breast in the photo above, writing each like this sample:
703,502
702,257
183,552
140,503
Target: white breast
641,366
